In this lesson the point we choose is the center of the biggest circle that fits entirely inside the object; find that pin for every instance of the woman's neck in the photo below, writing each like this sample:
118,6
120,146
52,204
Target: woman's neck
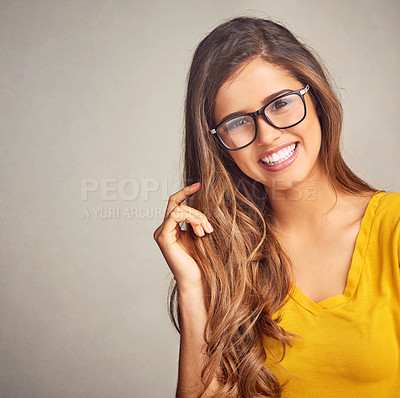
306,205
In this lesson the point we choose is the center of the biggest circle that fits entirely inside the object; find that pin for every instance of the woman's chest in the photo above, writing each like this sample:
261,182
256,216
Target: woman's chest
322,271
321,265
349,347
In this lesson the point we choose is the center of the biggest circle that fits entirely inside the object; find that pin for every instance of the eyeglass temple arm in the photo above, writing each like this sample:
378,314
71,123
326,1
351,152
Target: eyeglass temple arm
305,89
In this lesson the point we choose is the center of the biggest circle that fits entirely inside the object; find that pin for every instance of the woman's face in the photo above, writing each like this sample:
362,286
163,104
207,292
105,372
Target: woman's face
246,91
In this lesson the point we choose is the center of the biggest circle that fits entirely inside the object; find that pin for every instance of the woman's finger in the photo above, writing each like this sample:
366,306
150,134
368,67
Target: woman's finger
177,198
198,214
168,232
183,213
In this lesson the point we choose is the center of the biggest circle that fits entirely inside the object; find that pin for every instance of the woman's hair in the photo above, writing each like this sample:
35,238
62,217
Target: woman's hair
246,273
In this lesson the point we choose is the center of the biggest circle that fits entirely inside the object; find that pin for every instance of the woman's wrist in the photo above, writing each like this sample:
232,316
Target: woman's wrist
191,299
189,288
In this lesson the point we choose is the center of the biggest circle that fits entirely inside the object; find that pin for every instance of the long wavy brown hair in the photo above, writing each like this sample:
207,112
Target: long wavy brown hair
246,274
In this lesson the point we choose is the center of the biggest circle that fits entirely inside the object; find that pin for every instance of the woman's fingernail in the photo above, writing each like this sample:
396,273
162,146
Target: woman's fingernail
195,184
201,230
209,227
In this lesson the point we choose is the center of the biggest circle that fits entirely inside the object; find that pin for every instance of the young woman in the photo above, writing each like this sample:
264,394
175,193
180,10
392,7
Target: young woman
287,275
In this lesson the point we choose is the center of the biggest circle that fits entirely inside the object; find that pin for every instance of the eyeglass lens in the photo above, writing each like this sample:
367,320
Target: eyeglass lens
283,113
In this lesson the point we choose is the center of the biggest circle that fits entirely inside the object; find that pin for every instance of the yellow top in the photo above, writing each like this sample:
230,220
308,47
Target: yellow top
350,342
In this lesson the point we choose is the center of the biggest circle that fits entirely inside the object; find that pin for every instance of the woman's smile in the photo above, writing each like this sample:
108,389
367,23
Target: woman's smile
279,158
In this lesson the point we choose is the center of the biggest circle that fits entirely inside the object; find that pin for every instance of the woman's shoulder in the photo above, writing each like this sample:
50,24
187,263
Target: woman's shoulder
384,211
388,203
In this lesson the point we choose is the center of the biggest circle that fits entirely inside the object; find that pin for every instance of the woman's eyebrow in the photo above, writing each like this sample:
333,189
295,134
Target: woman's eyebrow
265,101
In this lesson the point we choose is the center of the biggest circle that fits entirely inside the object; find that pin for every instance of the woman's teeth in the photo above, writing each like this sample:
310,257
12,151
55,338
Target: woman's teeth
280,156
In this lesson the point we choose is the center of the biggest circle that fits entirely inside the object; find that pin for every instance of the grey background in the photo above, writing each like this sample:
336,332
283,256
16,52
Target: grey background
91,93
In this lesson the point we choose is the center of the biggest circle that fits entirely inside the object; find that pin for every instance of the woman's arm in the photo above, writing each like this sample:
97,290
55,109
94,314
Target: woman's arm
192,353
173,243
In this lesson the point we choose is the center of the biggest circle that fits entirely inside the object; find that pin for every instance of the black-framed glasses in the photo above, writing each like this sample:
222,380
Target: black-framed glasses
285,111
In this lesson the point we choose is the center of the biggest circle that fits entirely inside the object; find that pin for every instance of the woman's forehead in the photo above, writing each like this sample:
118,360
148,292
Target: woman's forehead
249,85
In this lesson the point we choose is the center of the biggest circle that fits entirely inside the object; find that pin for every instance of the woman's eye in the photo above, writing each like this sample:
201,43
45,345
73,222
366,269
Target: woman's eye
277,105
236,123
288,102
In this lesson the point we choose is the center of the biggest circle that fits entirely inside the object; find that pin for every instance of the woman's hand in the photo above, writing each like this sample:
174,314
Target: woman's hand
173,241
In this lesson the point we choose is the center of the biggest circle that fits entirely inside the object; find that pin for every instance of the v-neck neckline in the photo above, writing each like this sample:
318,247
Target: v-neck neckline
356,266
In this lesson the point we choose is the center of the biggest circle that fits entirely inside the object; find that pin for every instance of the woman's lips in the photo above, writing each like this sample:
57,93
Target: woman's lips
285,162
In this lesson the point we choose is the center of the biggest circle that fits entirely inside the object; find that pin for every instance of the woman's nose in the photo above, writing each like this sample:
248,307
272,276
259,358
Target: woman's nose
266,134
